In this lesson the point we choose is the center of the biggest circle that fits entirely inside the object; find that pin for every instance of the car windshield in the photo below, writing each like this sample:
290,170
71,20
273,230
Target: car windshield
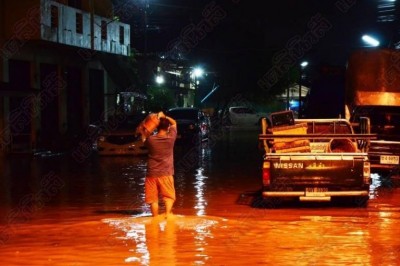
190,114
380,115
329,128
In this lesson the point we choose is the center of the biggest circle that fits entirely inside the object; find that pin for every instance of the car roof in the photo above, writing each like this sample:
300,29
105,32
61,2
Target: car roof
234,107
183,108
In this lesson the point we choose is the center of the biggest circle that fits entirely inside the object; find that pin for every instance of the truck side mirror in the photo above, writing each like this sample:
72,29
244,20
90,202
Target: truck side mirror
264,127
365,125
365,128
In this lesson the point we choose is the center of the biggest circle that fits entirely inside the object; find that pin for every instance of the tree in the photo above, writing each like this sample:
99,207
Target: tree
159,98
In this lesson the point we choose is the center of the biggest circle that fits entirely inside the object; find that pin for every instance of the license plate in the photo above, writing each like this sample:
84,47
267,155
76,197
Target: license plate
316,191
389,159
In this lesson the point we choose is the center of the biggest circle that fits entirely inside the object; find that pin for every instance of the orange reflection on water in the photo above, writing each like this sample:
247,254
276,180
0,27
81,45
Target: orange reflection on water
275,237
153,241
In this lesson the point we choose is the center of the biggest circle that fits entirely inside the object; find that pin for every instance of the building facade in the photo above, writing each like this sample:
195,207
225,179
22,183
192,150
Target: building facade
55,70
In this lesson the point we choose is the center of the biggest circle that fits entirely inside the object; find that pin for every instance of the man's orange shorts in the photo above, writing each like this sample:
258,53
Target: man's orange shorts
163,185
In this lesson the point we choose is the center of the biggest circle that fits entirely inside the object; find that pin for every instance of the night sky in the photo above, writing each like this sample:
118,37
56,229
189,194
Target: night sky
243,43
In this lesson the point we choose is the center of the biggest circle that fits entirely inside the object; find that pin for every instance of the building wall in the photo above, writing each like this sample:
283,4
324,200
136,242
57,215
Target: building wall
26,20
66,53
74,27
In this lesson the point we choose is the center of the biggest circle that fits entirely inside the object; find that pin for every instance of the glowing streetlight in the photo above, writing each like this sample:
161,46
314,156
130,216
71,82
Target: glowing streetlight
370,40
198,72
304,64
159,79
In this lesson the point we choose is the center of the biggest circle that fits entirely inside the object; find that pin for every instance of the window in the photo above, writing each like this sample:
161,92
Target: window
121,34
103,30
54,17
79,23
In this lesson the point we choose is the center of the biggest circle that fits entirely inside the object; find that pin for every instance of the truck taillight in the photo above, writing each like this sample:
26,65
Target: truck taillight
367,173
266,173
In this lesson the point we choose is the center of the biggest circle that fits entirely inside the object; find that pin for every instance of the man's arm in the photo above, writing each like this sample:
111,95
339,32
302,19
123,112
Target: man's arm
170,119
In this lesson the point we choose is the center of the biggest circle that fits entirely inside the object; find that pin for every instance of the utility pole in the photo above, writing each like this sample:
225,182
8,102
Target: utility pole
299,113
302,65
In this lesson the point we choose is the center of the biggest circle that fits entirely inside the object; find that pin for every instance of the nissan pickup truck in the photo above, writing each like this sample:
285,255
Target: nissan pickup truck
315,160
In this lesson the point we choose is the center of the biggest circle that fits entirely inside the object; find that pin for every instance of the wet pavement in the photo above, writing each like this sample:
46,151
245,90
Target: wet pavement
64,210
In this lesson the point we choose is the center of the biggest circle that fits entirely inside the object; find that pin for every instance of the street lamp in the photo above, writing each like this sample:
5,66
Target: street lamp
371,41
159,79
302,66
197,73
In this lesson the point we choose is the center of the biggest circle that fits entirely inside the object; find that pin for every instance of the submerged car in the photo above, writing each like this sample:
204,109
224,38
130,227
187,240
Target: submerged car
244,116
193,123
118,137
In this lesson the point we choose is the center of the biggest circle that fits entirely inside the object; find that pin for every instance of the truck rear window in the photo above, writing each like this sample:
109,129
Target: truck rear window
328,128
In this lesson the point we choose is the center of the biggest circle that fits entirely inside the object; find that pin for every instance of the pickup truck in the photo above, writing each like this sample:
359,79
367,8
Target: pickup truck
315,160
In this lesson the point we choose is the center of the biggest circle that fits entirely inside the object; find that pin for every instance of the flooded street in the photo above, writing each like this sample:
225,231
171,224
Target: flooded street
58,210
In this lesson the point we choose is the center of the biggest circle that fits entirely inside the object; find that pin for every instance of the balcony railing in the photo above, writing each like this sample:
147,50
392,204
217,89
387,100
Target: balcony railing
70,26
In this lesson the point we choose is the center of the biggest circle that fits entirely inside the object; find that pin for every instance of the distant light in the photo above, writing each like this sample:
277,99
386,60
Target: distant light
294,104
159,79
176,73
304,64
198,72
370,41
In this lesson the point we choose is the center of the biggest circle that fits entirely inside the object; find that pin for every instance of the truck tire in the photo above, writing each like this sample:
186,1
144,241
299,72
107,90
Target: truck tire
265,203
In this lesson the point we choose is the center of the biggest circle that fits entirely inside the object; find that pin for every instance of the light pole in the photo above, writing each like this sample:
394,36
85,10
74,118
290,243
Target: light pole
302,66
197,73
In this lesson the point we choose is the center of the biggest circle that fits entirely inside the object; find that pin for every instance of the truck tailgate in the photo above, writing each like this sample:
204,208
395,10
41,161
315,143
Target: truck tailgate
322,170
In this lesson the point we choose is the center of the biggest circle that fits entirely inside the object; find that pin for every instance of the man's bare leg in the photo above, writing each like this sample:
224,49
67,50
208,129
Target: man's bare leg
154,208
168,206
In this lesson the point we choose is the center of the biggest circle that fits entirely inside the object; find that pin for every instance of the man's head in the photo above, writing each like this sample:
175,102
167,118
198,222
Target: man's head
164,124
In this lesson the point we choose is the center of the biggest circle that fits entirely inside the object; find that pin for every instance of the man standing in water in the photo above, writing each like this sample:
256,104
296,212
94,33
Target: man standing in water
160,165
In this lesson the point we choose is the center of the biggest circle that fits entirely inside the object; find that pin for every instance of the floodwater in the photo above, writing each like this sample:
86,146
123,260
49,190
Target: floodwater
57,210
